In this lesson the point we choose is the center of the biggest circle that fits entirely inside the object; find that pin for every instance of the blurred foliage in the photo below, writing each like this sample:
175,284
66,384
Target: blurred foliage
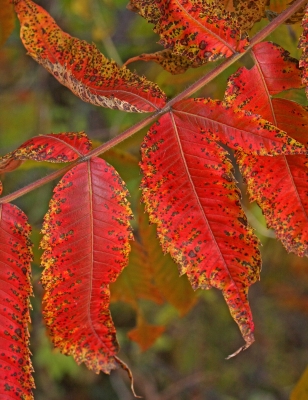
187,361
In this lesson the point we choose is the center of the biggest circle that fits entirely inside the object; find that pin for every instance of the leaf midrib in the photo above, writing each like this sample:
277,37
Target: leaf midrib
198,201
203,28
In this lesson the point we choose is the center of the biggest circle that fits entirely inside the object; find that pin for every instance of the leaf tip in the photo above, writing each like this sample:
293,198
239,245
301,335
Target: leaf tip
249,339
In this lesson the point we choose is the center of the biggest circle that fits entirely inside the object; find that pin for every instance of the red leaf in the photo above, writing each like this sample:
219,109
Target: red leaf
191,195
193,33
237,129
283,196
198,31
16,381
61,147
274,71
86,233
81,67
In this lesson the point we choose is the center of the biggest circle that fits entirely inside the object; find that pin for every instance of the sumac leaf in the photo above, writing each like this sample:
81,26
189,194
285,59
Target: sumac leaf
198,31
86,232
240,130
190,193
274,71
58,148
193,32
16,380
79,65
282,196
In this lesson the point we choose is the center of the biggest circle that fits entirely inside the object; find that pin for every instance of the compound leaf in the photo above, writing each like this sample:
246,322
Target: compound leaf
16,381
79,65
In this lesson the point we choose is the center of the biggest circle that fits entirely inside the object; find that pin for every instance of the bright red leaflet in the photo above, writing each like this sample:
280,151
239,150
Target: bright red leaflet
240,130
86,233
191,195
81,67
274,71
198,31
60,147
16,381
282,196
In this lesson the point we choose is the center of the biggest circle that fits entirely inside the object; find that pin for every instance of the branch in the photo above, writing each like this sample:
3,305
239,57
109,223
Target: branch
186,93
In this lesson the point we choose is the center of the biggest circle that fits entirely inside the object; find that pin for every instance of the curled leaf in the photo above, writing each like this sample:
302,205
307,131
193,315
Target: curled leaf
80,66
60,147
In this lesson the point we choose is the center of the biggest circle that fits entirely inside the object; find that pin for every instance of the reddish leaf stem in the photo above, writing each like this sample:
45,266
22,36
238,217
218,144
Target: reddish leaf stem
186,93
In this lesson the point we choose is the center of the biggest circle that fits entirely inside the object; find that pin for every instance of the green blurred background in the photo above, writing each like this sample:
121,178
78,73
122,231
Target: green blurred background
187,362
